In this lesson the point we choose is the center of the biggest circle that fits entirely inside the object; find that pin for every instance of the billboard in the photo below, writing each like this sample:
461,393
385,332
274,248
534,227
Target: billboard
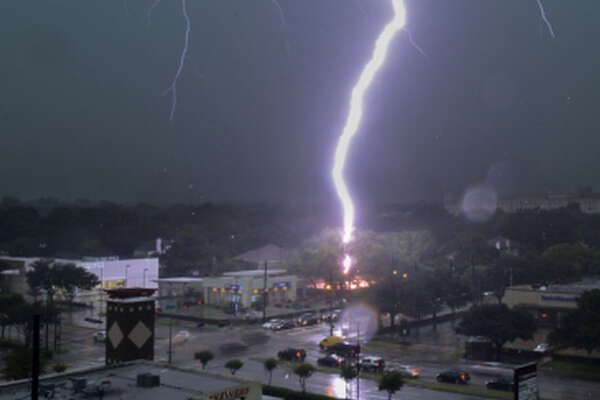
525,382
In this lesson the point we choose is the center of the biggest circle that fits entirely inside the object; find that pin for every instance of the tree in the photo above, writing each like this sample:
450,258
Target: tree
233,366
391,382
348,373
304,371
270,364
51,277
204,357
498,323
10,304
580,328
18,363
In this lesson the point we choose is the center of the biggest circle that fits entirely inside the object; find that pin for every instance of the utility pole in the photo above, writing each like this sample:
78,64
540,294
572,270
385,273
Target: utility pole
35,362
265,294
358,362
170,340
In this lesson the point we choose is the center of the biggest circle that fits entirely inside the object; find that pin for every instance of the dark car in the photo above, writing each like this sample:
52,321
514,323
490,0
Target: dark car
308,319
291,354
500,383
331,360
283,324
344,349
453,377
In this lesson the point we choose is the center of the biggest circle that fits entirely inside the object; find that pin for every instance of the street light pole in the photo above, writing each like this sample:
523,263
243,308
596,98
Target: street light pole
265,294
170,339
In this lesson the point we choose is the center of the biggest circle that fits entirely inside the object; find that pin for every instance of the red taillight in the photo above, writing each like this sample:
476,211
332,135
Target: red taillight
377,364
298,354
199,301
339,361
185,307
157,310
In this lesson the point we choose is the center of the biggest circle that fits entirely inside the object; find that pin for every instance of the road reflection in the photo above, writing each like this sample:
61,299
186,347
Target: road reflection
336,388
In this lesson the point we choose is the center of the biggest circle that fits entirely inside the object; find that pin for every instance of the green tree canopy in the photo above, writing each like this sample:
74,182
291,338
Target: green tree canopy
391,382
580,328
234,365
304,371
204,356
270,364
498,323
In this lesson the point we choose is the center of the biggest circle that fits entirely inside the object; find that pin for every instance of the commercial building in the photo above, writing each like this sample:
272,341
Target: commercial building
548,303
111,272
138,381
245,288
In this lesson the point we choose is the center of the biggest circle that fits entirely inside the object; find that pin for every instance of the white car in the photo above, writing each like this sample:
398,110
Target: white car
269,324
542,348
181,336
100,336
409,371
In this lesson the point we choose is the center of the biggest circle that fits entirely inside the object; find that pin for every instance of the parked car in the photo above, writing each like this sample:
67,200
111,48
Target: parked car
500,383
329,341
291,354
409,371
100,336
542,348
181,336
307,319
269,324
453,376
372,364
344,349
282,324
331,360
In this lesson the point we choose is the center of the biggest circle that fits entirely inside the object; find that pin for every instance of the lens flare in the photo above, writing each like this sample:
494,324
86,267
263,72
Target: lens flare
347,264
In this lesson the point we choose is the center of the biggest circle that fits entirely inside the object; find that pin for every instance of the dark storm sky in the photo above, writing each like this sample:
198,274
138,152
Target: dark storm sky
496,99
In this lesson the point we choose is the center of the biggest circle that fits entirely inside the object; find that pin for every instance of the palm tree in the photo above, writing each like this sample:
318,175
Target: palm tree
391,382
304,371
233,366
204,357
270,364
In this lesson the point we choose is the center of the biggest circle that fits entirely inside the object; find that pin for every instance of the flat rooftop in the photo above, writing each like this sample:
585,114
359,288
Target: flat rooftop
256,272
175,384
577,287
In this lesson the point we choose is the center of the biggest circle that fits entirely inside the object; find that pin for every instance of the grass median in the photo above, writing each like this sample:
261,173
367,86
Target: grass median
442,387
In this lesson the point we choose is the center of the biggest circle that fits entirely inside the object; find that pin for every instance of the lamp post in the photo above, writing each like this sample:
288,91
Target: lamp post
144,277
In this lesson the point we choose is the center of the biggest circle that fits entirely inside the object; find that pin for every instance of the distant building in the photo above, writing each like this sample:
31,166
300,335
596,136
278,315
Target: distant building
588,201
111,272
271,254
179,286
505,245
153,248
142,380
245,288
548,303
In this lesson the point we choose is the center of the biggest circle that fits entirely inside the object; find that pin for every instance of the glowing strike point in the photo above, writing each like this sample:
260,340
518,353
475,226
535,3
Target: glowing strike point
355,115
346,264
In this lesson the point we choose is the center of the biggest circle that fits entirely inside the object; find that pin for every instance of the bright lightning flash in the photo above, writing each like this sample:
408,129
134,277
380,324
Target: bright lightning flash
355,115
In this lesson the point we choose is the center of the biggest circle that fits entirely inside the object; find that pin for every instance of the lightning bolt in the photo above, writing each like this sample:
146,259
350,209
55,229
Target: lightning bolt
173,87
355,115
545,18
283,24
150,9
